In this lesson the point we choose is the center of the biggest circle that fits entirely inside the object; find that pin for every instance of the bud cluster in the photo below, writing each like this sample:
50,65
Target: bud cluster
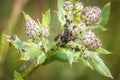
34,31
79,20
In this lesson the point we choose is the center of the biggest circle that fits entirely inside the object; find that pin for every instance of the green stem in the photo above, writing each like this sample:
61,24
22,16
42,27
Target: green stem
33,67
52,51
30,70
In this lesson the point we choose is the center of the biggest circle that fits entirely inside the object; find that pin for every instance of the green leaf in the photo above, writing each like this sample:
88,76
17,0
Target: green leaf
99,66
17,76
61,56
70,55
28,50
60,12
26,16
16,42
105,14
46,19
86,63
66,55
41,58
25,56
102,51
31,52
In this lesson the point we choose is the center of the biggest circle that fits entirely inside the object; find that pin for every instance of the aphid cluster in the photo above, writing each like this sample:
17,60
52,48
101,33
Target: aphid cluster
67,35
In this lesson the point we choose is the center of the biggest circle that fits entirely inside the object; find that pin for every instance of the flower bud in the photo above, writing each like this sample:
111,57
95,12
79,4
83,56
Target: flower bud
32,29
79,28
82,26
79,6
91,15
91,41
45,31
68,6
87,55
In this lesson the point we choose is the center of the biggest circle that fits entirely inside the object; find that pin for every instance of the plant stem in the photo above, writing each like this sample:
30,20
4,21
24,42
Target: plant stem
33,67
52,51
30,70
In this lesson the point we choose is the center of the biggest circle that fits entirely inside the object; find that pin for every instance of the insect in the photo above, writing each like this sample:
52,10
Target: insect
57,37
66,37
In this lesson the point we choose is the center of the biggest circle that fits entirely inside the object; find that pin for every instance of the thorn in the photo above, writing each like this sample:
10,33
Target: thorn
8,40
91,67
6,36
38,21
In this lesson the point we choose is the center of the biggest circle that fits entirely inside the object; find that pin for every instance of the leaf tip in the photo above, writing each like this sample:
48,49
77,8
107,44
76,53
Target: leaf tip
26,16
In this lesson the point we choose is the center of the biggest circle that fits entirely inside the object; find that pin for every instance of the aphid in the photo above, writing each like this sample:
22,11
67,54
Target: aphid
71,38
66,37
77,49
66,26
57,37
68,21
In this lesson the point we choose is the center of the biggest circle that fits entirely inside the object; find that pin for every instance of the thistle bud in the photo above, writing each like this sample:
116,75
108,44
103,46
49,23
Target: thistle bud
45,32
32,29
68,6
79,28
82,26
91,41
91,15
87,55
79,6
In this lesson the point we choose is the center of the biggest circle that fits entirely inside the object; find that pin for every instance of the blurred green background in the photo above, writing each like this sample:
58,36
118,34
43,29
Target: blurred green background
12,22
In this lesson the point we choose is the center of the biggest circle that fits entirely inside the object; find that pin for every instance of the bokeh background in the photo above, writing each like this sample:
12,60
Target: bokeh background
12,22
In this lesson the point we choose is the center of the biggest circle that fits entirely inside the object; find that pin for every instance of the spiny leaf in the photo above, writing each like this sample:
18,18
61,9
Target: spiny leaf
105,14
31,52
61,56
102,51
17,76
86,63
60,12
26,16
46,19
16,42
99,66
71,54
27,50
